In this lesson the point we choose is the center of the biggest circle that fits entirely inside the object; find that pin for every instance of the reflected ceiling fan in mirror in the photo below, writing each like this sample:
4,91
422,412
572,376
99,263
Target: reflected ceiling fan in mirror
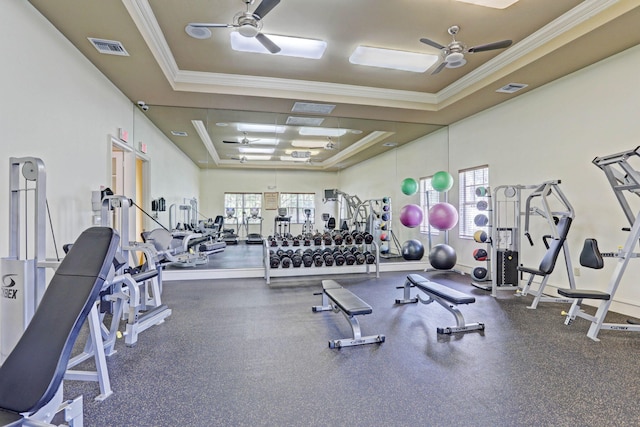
453,53
242,159
244,140
248,24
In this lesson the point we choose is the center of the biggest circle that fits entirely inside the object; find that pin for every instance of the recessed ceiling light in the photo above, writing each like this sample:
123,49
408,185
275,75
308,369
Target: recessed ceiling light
304,121
308,144
496,4
289,46
252,150
389,144
251,127
316,131
178,133
312,108
394,59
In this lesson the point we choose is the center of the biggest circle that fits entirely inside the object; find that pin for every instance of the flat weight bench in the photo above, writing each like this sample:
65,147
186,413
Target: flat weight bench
339,299
444,296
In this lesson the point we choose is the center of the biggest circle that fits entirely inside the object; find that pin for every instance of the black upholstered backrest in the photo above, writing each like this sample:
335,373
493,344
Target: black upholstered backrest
548,262
32,373
590,256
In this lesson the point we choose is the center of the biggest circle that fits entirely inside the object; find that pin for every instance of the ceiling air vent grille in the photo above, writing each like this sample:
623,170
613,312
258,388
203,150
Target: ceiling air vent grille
109,47
512,88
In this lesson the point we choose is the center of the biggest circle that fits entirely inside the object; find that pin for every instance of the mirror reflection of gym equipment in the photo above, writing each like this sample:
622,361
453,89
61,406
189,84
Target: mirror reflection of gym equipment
282,223
254,219
230,227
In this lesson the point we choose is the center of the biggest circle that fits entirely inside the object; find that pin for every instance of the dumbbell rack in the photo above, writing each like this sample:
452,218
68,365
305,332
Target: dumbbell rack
323,270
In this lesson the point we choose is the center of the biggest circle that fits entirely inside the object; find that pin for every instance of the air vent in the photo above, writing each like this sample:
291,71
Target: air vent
512,88
311,108
109,47
178,133
301,154
304,121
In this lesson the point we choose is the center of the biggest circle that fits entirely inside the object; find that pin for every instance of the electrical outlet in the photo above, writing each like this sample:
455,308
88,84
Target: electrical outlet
576,271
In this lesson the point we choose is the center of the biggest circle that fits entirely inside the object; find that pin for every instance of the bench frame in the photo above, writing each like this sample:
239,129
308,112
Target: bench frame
329,303
446,297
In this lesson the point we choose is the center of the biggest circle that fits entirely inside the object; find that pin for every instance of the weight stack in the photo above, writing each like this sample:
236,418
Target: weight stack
507,268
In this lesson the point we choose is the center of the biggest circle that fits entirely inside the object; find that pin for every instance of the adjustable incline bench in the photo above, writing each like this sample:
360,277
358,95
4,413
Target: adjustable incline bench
31,377
444,296
339,299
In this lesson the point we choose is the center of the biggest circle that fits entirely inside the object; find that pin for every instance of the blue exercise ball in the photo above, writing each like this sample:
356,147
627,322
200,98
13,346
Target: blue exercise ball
443,257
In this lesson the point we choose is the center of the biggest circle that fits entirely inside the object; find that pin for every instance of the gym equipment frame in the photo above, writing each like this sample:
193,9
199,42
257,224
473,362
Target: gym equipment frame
624,180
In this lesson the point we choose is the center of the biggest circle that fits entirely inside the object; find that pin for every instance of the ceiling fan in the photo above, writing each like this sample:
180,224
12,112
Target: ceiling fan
330,144
453,53
244,140
242,159
248,24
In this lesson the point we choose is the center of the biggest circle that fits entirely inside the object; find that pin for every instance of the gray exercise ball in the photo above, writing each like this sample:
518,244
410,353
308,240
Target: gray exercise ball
412,250
443,257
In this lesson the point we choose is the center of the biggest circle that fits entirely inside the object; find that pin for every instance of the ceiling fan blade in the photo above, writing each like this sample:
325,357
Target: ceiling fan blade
207,25
432,43
231,142
265,7
440,67
266,42
490,46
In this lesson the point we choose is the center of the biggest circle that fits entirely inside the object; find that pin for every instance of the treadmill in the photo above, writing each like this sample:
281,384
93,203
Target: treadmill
254,218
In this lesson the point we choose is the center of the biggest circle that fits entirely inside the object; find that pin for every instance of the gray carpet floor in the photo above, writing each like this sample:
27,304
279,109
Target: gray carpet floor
241,353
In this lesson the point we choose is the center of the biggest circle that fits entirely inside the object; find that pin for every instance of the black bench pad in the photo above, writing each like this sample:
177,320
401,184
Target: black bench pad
347,301
439,290
584,293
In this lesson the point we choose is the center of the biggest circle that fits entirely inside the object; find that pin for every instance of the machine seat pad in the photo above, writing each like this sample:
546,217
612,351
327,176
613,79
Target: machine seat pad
584,293
439,290
345,299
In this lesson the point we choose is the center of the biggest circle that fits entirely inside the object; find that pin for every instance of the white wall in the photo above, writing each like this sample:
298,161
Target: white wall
215,182
56,105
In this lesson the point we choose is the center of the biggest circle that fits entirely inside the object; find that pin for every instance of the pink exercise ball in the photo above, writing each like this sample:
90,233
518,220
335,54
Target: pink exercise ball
411,215
443,216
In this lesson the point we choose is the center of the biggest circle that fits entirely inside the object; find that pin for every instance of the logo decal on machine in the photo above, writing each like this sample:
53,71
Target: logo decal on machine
7,286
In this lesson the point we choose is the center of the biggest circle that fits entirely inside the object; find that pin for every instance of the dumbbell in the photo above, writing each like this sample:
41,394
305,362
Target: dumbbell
317,240
368,238
285,242
358,239
328,259
307,260
296,260
348,239
369,257
337,239
349,258
317,259
274,261
339,259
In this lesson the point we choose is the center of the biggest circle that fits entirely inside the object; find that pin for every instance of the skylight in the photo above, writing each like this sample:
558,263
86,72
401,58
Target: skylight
252,127
496,4
317,131
290,46
252,150
257,157
393,59
308,144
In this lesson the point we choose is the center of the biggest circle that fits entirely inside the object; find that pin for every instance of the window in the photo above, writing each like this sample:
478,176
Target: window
296,204
242,203
469,180
426,202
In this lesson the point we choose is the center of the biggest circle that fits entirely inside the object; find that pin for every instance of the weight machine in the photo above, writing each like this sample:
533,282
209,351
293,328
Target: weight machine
624,180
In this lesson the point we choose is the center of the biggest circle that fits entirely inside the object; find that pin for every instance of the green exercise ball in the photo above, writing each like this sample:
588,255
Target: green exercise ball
442,181
409,186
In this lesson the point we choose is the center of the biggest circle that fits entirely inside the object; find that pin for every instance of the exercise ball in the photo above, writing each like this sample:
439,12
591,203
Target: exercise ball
385,208
479,273
384,237
442,181
409,186
385,217
480,236
385,199
443,216
481,191
480,255
482,205
384,249
443,257
411,215
481,220
412,250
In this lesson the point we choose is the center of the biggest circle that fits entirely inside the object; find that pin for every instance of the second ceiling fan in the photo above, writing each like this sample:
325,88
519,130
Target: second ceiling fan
249,24
453,53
